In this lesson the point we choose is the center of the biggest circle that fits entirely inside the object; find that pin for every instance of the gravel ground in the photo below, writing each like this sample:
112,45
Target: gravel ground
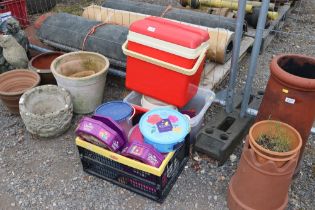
47,174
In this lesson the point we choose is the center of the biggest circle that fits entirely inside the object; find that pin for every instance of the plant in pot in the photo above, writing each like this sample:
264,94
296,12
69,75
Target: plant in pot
266,167
275,141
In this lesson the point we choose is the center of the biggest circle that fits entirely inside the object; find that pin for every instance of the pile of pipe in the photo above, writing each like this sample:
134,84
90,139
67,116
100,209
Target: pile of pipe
183,15
104,30
73,33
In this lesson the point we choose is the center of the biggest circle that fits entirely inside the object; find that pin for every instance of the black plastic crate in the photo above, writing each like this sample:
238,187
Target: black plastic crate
144,183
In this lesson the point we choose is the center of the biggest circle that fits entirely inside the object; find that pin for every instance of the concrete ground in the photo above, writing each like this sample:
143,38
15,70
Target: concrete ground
47,173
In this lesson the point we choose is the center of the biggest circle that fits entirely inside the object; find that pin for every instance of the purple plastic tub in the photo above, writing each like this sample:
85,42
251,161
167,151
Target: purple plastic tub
144,153
102,131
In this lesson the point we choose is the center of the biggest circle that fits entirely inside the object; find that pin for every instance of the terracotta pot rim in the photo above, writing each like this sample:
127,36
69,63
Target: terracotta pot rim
291,80
44,71
257,165
286,158
22,91
64,92
273,153
104,70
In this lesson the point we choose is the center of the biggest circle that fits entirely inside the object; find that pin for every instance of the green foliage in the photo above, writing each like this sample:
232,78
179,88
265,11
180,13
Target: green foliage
74,8
276,139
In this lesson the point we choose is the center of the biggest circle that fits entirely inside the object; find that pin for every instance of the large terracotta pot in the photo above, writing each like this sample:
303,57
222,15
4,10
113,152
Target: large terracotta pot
290,93
41,64
259,186
270,128
13,84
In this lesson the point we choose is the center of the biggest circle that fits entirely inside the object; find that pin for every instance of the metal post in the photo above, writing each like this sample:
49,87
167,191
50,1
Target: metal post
235,55
254,56
39,49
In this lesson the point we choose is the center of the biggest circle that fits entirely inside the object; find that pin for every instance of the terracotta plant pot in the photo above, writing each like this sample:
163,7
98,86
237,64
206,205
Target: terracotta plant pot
259,186
46,110
270,128
291,91
13,84
41,64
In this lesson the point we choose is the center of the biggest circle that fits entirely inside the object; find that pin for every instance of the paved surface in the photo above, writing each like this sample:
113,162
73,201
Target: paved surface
47,174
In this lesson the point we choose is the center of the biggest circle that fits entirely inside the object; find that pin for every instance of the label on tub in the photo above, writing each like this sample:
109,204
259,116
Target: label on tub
290,100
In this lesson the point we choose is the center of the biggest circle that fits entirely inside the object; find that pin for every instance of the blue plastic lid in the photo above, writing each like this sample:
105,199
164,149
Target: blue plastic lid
164,126
117,110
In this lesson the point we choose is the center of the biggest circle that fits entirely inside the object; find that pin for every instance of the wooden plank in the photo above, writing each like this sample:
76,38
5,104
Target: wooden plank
215,73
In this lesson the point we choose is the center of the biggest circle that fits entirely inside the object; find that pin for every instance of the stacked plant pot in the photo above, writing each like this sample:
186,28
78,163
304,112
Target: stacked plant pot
263,177
289,93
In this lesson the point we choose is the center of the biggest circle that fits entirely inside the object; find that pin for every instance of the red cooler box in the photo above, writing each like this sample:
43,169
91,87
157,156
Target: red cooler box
165,59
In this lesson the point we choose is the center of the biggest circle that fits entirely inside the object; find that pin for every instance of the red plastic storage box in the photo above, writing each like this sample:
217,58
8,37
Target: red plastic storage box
165,59
17,9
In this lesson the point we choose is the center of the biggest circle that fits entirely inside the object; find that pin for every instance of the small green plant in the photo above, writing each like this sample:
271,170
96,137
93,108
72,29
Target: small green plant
275,140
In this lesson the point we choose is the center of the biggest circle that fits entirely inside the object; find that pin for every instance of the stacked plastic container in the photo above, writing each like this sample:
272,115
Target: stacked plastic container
198,105
165,59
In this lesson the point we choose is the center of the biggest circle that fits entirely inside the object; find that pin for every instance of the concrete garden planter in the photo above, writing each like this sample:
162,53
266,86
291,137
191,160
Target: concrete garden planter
41,64
290,93
13,84
46,110
83,74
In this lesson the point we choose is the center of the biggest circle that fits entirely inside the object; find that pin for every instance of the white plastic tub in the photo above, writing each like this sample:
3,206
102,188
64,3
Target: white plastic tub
151,103
200,102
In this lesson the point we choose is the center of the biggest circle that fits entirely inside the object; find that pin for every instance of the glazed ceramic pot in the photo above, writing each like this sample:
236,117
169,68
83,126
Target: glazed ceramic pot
272,128
259,186
13,84
290,93
83,74
41,64
46,110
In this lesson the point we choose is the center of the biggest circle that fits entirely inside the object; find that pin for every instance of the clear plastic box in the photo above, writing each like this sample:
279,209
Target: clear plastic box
200,102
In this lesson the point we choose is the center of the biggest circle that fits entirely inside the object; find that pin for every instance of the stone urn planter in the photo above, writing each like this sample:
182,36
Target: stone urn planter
46,110
290,93
41,64
259,186
83,74
13,84
275,141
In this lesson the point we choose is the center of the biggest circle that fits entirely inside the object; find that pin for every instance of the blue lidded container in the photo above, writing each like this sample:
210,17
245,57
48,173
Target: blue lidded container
119,111
164,128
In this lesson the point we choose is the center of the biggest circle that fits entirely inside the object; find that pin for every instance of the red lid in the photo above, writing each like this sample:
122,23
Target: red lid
170,31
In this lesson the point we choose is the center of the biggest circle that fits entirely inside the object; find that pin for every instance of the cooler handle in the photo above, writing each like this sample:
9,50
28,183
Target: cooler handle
164,64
